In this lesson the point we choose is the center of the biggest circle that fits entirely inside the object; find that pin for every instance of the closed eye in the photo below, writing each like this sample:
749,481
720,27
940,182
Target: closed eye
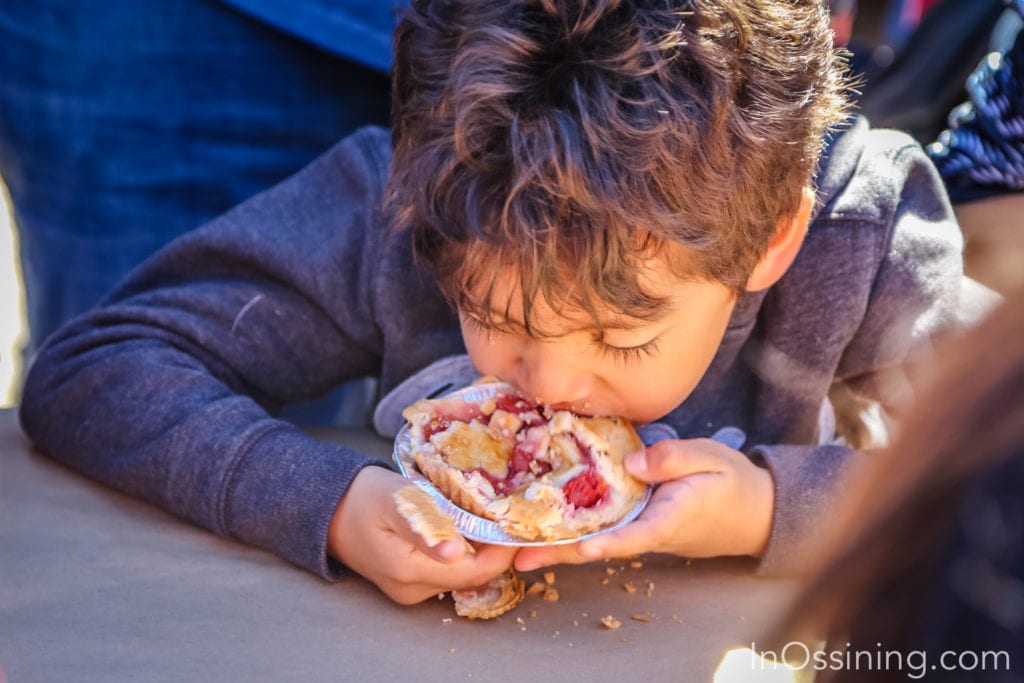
630,355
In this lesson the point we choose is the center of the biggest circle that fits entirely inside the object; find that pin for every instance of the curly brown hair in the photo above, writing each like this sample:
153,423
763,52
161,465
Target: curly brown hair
567,141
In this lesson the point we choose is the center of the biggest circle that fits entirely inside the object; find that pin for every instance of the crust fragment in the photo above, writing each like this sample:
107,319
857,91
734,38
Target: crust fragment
425,518
493,599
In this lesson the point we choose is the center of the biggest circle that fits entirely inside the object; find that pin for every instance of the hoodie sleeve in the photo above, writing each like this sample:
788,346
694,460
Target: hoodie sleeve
165,391
916,292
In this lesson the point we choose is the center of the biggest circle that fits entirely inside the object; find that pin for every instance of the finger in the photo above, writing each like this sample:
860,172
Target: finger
477,569
660,528
445,552
633,539
422,578
677,458
531,558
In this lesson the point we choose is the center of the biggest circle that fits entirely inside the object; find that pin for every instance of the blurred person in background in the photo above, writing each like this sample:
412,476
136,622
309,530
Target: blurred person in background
981,159
902,17
913,57
844,13
124,124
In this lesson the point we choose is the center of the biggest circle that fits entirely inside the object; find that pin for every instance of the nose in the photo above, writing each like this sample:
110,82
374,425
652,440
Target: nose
548,376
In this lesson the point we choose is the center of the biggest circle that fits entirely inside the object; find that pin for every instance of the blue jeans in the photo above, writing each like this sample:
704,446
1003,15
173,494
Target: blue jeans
124,123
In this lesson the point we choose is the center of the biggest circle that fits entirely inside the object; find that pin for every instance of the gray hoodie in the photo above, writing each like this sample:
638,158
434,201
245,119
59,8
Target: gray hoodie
166,391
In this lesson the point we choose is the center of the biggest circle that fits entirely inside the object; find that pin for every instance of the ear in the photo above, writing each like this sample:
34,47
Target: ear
789,235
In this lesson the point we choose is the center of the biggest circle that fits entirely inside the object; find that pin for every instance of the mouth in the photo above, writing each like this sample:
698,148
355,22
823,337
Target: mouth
584,408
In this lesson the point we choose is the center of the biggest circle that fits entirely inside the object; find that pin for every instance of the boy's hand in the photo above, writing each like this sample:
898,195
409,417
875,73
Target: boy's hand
370,537
712,501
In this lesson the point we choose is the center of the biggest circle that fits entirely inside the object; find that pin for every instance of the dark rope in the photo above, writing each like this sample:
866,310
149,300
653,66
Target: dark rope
982,151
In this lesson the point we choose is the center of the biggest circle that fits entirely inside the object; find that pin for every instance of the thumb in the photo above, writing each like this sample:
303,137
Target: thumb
447,552
674,459
636,464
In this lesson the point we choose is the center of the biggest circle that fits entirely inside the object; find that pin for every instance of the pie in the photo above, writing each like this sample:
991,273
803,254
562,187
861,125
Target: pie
541,474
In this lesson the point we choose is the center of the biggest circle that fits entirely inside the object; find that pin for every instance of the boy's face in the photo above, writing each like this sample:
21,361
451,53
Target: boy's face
640,370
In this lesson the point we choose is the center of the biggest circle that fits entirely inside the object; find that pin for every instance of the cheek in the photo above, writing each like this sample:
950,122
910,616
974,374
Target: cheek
651,390
648,393
490,354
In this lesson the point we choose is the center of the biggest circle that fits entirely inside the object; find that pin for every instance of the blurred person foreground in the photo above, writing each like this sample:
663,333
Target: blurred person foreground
927,557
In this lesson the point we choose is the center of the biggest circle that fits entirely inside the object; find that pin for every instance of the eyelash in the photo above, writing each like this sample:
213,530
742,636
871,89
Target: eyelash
631,355
479,325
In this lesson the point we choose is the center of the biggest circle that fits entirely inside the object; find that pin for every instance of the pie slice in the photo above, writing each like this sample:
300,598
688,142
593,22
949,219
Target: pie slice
426,519
493,599
541,474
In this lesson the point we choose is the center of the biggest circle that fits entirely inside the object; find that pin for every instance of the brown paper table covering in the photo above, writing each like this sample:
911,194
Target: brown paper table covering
97,586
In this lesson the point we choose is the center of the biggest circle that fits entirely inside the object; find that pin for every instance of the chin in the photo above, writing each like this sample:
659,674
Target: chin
652,413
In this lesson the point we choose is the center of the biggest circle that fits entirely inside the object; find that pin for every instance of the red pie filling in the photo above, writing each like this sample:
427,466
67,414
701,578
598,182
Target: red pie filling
436,425
586,489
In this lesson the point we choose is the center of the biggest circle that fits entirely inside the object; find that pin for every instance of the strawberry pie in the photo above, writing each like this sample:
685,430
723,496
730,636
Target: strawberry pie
541,474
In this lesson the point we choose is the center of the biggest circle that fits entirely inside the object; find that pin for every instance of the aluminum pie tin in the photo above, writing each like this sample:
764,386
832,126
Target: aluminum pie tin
474,527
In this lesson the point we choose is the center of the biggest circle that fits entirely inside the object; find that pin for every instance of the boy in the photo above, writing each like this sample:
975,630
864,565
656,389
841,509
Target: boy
616,197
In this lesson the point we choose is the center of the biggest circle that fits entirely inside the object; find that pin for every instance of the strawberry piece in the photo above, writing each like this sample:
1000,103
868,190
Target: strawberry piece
516,405
585,490
522,456
438,424
523,460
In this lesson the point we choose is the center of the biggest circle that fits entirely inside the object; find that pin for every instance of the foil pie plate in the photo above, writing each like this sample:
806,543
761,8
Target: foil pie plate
474,527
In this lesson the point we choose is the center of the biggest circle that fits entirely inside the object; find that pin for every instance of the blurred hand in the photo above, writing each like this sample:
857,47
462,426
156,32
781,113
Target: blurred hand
711,501
370,537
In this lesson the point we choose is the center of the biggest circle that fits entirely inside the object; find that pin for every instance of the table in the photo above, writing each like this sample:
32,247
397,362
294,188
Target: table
98,586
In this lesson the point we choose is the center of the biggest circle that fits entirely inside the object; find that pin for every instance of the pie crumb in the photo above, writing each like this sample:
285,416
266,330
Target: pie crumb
551,595
610,623
644,617
630,588
549,577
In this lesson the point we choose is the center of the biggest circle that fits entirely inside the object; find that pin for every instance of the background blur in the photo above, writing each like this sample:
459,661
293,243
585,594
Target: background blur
12,311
